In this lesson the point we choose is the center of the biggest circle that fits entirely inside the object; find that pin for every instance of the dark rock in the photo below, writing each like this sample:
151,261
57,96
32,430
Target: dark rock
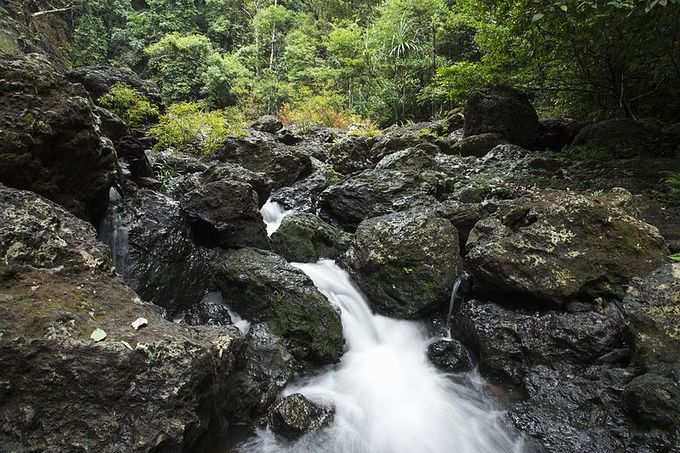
295,416
261,153
263,369
225,213
450,356
556,134
654,400
504,111
373,193
98,80
463,216
69,392
210,311
623,138
351,154
418,158
477,145
397,138
110,124
303,196
49,139
556,246
263,287
153,250
287,136
406,262
267,123
307,238
133,151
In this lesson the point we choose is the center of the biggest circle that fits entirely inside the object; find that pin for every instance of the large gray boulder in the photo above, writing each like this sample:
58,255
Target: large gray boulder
557,246
262,287
50,142
406,262
63,389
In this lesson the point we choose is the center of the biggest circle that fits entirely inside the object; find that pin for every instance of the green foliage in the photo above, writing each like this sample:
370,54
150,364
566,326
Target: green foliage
323,111
226,80
130,105
190,127
177,63
673,184
675,258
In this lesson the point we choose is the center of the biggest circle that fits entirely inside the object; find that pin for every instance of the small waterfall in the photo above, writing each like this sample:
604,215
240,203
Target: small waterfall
388,397
112,231
463,281
272,214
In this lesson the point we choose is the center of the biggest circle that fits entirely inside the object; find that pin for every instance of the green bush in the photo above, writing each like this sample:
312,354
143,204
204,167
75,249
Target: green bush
130,105
190,127
326,111
673,184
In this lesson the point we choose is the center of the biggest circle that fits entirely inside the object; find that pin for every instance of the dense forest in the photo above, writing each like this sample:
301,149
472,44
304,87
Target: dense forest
341,62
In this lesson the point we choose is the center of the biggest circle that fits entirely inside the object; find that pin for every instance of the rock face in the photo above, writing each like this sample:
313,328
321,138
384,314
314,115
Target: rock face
306,238
504,111
295,415
154,389
406,262
352,154
49,139
622,138
98,80
263,287
153,250
373,193
477,145
557,246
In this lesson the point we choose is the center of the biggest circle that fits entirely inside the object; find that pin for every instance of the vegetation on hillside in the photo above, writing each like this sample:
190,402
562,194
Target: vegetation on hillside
393,60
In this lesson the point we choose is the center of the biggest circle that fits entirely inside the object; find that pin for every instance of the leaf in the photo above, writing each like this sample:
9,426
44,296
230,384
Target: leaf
98,335
564,8
139,323
675,257
537,17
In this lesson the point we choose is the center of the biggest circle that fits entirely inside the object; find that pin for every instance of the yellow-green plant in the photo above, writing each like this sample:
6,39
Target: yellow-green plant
325,111
130,105
190,127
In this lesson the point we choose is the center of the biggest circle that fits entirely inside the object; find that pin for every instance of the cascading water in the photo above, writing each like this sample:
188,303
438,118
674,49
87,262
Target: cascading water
272,214
460,286
387,396
113,232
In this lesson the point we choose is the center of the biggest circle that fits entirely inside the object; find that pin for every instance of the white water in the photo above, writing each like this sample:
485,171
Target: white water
388,397
272,214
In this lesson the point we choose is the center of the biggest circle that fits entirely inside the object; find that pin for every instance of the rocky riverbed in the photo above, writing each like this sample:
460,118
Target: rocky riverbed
572,320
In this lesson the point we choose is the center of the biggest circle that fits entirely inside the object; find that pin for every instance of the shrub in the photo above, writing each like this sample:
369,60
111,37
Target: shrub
673,184
190,127
130,105
323,111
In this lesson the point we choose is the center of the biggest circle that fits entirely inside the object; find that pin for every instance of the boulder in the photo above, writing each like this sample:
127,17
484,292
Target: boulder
49,138
225,213
418,158
502,110
76,375
373,193
294,416
450,356
210,311
133,152
352,154
263,287
405,262
463,216
267,123
99,79
303,196
623,138
153,250
110,124
556,134
260,152
477,145
556,246
654,401
306,238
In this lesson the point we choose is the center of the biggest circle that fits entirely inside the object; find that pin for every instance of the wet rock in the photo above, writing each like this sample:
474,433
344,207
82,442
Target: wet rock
264,367
225,213
153,250
303,196
161,388
49,138
267,123
394,139
622,138
509,342
463,216
110,124
654,400
210,311
306,238
502,110
263,287
406,262
373,193
555,246
98,80
133,151
450,356
418,158
295,416
477,145
261,153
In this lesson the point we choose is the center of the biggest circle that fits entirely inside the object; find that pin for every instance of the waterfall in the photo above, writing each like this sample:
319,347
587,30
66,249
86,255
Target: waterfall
272,214
456,299
388,397
113,232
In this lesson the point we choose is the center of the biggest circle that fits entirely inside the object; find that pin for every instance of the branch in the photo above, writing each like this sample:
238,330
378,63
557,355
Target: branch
52,11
